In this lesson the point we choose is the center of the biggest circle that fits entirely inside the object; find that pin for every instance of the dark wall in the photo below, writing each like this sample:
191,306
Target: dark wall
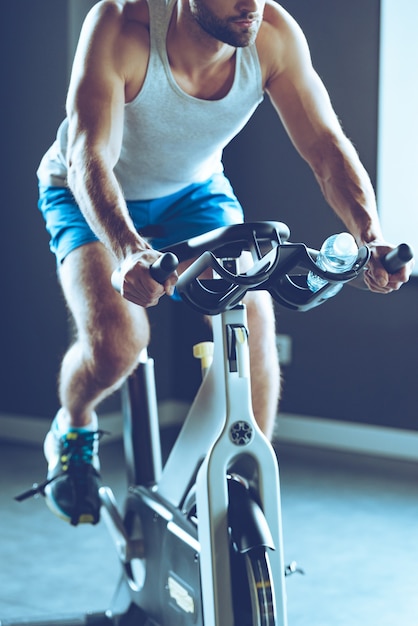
353,359
33,328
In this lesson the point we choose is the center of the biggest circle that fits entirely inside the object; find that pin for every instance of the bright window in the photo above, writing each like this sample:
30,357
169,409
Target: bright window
397,185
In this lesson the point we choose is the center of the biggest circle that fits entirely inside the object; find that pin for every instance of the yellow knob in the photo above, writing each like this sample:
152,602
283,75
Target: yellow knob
204,352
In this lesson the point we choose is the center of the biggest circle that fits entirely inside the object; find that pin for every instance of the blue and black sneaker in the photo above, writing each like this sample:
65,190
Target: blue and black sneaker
72,486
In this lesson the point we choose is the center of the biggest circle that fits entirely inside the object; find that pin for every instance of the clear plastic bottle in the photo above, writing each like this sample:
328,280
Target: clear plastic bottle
338,254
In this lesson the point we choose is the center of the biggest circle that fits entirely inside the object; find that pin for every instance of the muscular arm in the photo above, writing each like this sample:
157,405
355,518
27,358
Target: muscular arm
304,107
108,51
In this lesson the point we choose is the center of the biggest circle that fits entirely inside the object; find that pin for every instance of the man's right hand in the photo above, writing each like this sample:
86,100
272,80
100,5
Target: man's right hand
137,286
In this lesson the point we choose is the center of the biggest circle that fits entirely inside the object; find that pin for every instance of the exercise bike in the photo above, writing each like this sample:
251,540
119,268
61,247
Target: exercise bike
200,539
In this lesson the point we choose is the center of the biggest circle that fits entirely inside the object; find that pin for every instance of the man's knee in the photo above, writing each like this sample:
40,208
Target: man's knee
113,345
113,358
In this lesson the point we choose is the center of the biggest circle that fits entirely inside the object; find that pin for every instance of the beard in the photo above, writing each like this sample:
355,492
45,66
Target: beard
225,30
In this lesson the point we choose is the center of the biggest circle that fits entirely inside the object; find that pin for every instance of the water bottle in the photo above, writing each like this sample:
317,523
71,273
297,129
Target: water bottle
338,254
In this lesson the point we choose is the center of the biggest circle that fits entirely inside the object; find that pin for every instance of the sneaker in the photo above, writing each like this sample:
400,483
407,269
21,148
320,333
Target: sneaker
72,486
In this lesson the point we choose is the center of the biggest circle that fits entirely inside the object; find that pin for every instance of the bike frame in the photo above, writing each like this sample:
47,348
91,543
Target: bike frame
221,430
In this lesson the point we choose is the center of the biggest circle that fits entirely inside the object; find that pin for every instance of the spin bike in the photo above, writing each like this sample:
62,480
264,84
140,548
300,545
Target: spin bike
200,539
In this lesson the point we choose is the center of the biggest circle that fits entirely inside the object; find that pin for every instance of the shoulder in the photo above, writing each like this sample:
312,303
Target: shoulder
117,19
280,41
115,34
121,12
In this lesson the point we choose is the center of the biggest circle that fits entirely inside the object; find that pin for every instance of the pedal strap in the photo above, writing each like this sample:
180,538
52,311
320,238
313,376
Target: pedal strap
36,489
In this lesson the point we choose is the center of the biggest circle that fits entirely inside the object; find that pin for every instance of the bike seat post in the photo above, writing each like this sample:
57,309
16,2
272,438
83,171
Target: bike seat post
141,427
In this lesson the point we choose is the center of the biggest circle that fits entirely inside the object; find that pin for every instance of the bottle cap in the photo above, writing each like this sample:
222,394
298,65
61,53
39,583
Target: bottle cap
345,245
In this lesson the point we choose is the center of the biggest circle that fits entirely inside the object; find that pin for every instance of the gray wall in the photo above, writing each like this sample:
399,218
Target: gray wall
353,359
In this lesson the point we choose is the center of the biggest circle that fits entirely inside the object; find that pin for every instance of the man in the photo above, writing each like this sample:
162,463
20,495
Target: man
157,90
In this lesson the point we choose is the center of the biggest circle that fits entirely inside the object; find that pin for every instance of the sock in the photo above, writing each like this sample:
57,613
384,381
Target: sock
64,426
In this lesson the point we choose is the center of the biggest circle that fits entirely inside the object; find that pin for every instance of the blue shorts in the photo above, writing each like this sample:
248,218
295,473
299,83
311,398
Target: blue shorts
195,210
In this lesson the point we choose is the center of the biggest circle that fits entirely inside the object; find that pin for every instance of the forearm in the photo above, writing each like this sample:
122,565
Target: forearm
101,201
347,188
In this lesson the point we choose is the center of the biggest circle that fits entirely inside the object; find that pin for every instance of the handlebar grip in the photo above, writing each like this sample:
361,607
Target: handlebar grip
396,259
160,270
163,267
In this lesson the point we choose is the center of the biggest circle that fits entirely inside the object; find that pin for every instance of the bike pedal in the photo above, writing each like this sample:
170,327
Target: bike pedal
35,491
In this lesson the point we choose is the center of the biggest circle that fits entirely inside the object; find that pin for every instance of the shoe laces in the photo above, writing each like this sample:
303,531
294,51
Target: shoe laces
77,449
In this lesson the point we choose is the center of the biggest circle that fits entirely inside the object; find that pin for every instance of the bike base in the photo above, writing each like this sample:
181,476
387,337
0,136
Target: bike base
89,619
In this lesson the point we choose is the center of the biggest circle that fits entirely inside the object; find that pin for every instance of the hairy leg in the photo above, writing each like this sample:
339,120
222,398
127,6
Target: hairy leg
264,362
110,333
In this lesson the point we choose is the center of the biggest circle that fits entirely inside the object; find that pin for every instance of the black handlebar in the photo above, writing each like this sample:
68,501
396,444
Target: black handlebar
396,259
281,270
279,267
163,267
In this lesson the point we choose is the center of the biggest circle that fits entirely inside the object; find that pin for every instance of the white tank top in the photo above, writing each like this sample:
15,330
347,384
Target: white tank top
170,139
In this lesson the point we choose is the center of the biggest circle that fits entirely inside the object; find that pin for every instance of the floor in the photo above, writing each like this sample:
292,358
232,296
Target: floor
351,522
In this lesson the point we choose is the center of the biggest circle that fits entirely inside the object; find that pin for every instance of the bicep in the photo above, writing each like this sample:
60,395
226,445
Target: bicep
305,110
